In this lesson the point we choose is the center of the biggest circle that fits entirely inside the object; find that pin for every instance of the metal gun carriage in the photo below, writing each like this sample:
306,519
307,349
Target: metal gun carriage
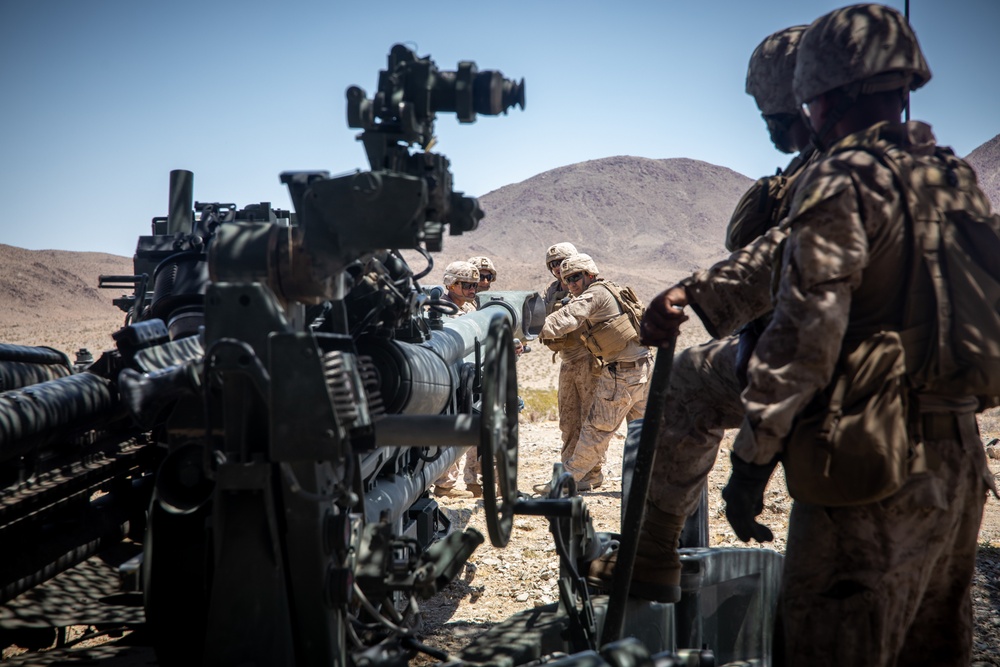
259,446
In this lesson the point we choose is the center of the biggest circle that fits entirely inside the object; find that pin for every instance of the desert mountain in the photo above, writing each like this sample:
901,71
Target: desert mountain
51,297
645,222
986,161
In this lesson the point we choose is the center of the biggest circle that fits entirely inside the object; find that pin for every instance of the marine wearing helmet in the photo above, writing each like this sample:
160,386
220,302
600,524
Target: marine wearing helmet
557,253
487,271
461,280
769,82
556,292
855,51
578,271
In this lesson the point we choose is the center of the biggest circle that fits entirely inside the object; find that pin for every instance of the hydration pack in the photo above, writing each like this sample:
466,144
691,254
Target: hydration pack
956,244
607,339
628,302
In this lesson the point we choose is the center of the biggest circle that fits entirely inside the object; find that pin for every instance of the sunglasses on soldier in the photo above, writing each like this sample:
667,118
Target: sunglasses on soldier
573,278
465,285
554,263
488,277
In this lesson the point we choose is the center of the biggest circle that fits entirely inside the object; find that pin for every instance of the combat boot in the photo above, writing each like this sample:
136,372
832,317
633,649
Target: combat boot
451,492
591,480
656,574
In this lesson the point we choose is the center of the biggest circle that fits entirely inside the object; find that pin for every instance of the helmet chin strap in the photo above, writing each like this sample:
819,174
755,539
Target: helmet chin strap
834,115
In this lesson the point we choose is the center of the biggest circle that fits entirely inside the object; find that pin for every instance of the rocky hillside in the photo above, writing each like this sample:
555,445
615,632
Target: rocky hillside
50,297
986,161
646,222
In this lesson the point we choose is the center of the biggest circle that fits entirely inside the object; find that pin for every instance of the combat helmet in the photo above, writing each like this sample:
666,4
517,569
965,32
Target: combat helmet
580,262
559,252
483,263
867,48
460,272
770,72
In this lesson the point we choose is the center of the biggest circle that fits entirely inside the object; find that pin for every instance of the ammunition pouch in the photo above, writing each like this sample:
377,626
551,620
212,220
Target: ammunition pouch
607,339
566,342
851,446
556,305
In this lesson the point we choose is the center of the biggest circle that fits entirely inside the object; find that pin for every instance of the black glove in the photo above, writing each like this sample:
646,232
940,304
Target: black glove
744,496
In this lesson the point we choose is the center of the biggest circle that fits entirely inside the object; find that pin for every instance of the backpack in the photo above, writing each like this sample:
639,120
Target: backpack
852,444
956,243
607,339
628,302
765,203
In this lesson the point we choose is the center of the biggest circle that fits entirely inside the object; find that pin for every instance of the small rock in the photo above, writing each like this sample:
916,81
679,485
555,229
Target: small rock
523,597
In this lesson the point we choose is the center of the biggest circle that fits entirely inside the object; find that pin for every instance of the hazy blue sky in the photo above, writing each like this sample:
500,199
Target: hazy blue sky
100,99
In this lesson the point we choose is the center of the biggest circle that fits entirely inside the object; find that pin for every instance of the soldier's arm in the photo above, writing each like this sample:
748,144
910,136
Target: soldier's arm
736,290
765,203
797,353
567,319
754,213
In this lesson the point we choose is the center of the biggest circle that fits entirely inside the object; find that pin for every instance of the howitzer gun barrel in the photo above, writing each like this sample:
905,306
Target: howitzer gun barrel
22,365
417,378
46,411
433,364
414,379
457,340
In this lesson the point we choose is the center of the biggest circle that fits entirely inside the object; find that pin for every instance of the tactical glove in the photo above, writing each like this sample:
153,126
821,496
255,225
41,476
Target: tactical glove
744,496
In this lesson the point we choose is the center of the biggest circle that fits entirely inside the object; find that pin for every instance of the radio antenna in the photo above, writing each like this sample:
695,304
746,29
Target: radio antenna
906,110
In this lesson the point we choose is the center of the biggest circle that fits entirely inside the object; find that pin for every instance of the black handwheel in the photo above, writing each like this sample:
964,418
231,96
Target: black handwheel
498,437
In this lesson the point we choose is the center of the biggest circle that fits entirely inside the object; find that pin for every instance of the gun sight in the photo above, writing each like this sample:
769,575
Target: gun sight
412,90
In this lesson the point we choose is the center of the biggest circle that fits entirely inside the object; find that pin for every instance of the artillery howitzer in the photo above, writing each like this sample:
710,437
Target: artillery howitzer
258,449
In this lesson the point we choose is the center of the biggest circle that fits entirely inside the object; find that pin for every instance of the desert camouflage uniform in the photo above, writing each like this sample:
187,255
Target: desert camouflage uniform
886,583
473,470
619,388
703,397
576,382
554,294
463,308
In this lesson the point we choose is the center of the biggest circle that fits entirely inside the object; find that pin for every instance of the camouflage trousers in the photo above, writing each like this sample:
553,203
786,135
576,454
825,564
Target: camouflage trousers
889,583
702,401
618,395
472,475
473,467
576,391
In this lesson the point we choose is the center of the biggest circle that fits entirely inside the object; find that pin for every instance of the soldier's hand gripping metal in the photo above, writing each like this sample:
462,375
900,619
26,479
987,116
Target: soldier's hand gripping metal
662,320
